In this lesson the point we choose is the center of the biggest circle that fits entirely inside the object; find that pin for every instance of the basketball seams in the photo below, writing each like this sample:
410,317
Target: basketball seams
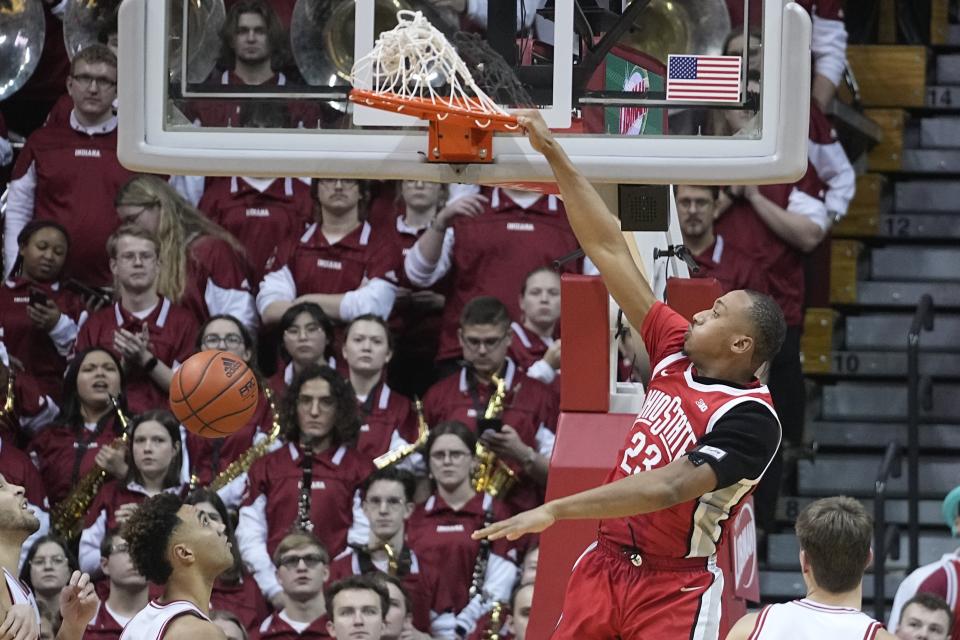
223,391
203,373
191,416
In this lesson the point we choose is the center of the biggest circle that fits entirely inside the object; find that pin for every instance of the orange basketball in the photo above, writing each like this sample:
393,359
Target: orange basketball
213,393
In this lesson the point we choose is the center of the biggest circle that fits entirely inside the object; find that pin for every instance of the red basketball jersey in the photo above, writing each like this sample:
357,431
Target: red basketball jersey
733,429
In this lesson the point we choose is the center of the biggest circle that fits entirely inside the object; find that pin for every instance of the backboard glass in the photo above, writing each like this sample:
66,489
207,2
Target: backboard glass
191,114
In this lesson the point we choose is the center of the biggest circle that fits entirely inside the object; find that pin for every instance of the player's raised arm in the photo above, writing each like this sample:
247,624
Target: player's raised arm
597,229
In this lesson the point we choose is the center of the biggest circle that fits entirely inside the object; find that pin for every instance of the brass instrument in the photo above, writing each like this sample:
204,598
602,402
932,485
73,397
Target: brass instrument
322,34
679,26
399,454
8,415
242,464
393,563
22,33
66,518
492,475
496,622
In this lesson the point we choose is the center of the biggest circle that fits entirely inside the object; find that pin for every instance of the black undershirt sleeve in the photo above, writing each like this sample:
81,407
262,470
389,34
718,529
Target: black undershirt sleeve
741,444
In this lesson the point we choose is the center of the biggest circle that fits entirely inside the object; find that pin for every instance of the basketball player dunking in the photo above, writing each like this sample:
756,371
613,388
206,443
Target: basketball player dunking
835,536
19,616
176,545
704,437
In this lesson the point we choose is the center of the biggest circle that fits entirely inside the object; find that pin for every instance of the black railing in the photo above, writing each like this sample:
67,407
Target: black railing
922,321
886,538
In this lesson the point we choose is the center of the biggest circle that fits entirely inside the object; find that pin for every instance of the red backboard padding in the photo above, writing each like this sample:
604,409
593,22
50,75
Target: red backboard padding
585,357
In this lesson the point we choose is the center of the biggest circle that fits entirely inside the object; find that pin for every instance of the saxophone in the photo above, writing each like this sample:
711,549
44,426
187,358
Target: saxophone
393,563
66,518
493,475
242,464
391,458
7,415
496,623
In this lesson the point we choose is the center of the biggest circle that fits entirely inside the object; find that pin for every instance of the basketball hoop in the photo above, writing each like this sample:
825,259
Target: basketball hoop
406,65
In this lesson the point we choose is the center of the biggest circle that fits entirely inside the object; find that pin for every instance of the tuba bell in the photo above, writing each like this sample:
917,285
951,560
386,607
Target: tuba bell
22,32
322,34
82,21
678,27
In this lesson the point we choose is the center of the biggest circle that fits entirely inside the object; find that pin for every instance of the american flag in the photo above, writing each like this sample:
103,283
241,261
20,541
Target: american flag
704,78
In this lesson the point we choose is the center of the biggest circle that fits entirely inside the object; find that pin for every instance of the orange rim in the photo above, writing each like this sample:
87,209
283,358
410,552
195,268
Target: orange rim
459,113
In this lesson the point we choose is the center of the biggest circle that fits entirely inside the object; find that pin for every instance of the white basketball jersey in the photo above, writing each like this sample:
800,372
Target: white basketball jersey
152,621
20,594
809,620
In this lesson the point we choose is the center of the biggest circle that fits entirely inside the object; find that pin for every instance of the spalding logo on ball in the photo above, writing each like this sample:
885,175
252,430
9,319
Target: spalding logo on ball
214,393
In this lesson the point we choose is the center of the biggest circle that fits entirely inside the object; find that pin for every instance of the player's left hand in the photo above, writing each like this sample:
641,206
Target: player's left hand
533,521
20,623
78,601
505,442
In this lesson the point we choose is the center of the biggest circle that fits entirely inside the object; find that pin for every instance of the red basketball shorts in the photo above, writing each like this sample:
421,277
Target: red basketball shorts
608,597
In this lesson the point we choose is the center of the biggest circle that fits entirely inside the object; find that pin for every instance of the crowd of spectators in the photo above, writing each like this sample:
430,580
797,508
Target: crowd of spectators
350,299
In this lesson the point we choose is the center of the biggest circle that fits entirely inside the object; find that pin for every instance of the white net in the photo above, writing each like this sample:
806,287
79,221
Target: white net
415,60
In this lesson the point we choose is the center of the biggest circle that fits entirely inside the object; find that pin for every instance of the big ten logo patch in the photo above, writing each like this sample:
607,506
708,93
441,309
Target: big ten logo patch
661,433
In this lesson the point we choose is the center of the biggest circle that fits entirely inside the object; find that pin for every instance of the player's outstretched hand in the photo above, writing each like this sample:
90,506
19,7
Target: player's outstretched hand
20,623
533,521
78,602
539,134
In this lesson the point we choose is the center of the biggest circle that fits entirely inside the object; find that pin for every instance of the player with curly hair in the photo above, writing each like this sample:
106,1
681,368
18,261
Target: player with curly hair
176,545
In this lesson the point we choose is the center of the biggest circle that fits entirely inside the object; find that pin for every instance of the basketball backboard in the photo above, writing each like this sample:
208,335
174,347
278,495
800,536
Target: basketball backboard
628,125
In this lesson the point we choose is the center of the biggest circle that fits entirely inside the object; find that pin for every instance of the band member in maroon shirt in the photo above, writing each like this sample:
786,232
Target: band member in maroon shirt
128,590
150,333
340,262
319,414
306,340
696,212
303,567
387,419
80,436
155,452
70,174
203,267
472,573
525,440
388,504
535,346
38,315
209,457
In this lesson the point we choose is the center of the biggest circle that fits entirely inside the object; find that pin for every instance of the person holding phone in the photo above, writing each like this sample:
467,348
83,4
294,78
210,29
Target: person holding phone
525,436
38,316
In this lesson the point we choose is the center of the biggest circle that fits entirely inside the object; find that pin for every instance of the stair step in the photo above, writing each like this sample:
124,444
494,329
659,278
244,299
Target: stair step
914,264
788,585
853,363
940,132
927,196
856,474
906,294
889,332
876,435
929,161
783,551
788,507
908,224
942,97
859,401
